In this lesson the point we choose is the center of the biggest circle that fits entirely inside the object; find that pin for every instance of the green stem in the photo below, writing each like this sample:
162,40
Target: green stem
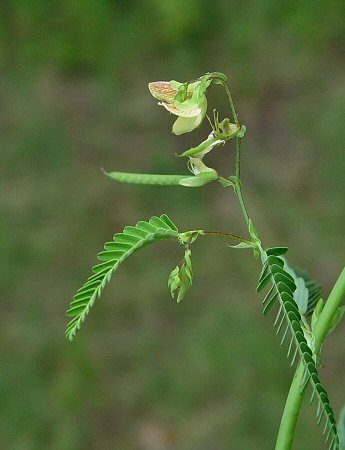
232,105
335,299
227,235
295,396
238,185
292,406
228,94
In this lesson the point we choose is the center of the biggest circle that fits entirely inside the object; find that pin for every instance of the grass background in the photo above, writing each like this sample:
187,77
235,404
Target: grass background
145,374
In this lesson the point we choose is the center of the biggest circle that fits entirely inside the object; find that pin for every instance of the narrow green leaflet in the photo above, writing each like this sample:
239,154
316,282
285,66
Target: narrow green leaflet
115,252
276,251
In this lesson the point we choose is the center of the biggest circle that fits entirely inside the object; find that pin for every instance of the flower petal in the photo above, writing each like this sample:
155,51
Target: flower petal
186,124
196,101
162,90
175,84
181,112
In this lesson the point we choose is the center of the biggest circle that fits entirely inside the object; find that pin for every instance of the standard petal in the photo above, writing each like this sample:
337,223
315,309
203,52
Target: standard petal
162,90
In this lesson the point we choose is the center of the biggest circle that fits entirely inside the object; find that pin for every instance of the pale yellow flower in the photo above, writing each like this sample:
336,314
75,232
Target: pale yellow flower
187,101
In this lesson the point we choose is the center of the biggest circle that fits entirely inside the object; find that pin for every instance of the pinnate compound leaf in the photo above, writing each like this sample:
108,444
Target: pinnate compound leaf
116,252
285,287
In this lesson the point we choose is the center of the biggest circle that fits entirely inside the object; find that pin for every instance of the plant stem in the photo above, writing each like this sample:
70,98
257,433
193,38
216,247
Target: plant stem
238,185
232,105
227,235
228,94
335,299
291,410
295,396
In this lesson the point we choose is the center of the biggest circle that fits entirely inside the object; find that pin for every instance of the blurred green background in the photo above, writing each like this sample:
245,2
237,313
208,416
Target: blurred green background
144,373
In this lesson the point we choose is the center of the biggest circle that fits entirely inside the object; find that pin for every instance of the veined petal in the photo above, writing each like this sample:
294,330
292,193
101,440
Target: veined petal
181,112
162,90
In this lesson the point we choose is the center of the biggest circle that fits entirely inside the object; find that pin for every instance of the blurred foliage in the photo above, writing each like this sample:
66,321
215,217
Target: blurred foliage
145,373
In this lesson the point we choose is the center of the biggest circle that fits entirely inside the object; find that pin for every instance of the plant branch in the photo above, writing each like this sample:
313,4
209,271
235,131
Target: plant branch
228,94
232,105
227,235
238,185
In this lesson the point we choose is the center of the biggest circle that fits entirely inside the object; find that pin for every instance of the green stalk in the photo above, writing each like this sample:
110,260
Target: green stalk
227,235
334,301
295,396
231,102
292,406
238,185
228,94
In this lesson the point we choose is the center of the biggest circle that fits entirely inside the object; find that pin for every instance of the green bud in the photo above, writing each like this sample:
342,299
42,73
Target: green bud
180,279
